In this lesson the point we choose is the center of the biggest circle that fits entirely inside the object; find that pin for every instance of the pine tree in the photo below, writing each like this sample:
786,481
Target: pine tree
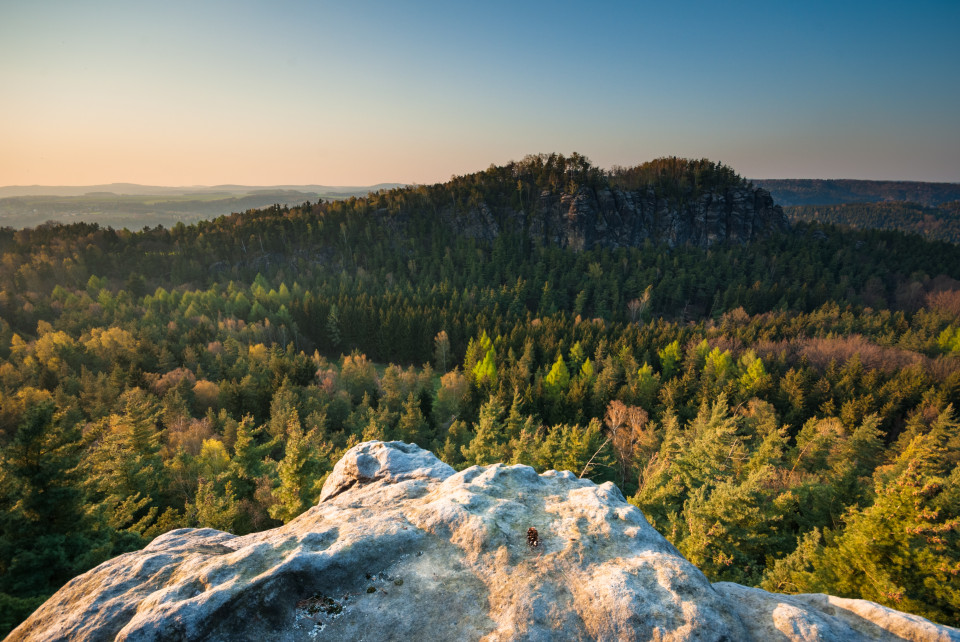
46,536
334,335
670,356
412,427
458,437
124,470
903,551
485,372
558,379
488,445
211,509
583,450
647,385
299,471
247,463
754,380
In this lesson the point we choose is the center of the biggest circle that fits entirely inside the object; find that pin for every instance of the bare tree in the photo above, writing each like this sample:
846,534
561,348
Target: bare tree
636,307
631,434
442,351
616,417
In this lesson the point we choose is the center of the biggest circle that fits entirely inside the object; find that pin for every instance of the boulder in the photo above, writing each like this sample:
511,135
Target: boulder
402,547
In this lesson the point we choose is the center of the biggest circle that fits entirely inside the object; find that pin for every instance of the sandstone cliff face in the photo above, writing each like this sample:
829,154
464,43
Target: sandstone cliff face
401,547
614,218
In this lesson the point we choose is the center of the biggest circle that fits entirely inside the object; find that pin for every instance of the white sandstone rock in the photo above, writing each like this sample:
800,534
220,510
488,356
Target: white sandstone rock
400,547
771,616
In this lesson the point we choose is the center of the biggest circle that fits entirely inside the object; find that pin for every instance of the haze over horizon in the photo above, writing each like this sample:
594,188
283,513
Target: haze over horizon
300,93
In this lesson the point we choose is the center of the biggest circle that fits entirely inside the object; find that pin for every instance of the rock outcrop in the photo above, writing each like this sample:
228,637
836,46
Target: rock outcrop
613,218
402,547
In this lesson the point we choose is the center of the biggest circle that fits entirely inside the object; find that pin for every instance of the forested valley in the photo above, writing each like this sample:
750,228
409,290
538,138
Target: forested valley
784,411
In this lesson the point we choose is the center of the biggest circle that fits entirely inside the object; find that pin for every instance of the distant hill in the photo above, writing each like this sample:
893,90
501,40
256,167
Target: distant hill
134,206
133,189
566,202
939,223
802,191
928,209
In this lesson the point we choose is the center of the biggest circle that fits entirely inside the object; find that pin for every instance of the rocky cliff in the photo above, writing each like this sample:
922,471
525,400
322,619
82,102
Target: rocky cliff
566,202
610,217
402,547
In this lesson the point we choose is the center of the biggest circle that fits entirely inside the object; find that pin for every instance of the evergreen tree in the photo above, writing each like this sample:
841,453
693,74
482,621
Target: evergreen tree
247,463
412,427
558,378
300,472
45,535
903,551
124,469
488,445
211,509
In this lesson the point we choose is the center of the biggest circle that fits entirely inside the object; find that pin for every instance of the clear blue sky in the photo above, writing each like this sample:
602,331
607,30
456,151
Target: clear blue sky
354,93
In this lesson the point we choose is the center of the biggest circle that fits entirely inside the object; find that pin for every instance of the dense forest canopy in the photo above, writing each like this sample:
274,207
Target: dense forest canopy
783,411
807,191
939,223
676,175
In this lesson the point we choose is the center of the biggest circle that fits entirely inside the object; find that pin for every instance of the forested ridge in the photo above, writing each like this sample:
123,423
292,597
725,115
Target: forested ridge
814,191
941,222
784,411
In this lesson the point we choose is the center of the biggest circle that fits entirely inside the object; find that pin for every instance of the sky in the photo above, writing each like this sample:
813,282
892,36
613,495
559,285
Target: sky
362,92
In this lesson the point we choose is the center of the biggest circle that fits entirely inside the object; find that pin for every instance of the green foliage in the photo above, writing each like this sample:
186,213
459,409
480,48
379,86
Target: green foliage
647,385
412,427
940,222
672,176
558,379
581,450
754,379
299,472
670,356
333,326
488,445
486,370
903,550
586,370
45,535
213,510
14,610
124,469
949,339
248,461
481,360
714,489
759,402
